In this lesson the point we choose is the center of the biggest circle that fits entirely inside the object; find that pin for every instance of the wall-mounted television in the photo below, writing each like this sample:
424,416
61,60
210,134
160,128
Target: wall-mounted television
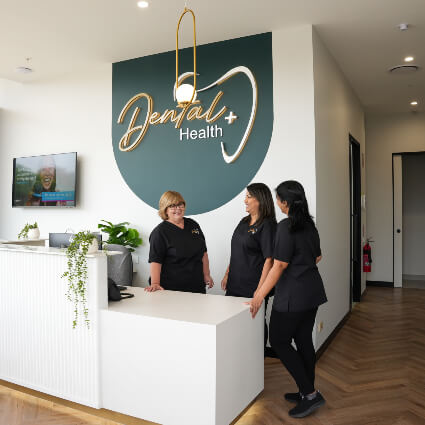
45,180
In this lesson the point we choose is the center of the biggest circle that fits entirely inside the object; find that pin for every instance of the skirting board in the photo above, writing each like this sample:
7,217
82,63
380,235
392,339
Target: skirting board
380,283
413,277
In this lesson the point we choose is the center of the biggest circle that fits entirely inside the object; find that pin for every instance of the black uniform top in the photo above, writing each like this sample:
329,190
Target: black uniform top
251,245
180,253
300,287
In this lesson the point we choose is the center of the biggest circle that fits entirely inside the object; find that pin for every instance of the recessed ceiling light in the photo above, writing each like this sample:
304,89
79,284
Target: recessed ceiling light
24,70
143,4
409,59
403,26
414,103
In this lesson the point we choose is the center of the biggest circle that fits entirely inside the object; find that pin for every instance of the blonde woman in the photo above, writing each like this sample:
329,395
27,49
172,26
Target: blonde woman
178,253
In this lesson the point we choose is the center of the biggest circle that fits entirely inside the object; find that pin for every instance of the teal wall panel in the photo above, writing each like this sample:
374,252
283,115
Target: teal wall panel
195,168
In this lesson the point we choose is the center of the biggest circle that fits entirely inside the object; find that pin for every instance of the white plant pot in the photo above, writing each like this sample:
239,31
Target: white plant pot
93,247
34,233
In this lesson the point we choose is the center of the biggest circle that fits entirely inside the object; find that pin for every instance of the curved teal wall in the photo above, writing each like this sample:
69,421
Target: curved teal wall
196,167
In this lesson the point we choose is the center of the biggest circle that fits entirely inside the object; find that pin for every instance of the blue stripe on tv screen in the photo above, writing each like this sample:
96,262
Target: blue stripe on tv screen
58,196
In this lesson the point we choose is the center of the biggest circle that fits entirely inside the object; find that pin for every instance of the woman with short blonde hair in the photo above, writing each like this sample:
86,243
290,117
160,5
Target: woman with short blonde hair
169,198
178,253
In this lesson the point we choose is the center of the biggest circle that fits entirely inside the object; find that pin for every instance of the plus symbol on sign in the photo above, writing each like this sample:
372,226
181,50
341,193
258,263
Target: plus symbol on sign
230,118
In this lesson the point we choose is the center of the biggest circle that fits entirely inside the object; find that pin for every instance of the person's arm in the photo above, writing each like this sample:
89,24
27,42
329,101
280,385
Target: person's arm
206,268
225,278
318,258
266,241
270,282
155,278
268,264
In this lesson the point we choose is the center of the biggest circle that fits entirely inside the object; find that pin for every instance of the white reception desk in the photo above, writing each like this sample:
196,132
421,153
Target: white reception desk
169,357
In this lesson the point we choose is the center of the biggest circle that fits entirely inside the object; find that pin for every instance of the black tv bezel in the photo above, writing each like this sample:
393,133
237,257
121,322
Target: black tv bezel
41,206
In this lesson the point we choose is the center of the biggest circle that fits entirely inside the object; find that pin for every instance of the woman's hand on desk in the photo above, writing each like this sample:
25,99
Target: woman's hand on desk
255,304
209,281
154,287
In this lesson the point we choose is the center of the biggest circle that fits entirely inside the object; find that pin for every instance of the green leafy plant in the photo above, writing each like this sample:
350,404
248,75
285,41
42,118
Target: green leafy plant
24,232
76,274
121,235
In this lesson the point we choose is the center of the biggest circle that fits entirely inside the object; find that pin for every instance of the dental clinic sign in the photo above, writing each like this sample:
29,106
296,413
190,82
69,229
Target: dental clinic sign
209,150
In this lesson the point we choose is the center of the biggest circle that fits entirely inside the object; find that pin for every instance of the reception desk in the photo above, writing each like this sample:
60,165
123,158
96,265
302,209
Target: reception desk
178,358
168,357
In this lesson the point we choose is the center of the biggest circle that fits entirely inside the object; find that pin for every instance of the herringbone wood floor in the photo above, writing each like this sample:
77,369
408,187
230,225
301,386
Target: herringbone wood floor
373,373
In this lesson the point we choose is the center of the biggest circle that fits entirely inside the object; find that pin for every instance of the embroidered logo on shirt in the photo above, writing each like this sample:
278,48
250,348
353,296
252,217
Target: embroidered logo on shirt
195,231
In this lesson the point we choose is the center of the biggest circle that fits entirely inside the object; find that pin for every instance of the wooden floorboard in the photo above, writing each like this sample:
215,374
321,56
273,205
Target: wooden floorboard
373,373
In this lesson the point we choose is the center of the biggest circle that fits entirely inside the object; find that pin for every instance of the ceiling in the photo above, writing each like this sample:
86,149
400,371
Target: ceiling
67,36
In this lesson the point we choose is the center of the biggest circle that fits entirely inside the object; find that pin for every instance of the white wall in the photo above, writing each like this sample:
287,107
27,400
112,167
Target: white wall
338,113
385,135
413,215
74,114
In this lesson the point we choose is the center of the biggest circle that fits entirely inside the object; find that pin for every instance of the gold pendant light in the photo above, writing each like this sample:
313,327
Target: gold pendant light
185,93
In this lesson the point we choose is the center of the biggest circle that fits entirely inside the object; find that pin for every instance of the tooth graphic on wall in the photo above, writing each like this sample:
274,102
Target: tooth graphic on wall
229,74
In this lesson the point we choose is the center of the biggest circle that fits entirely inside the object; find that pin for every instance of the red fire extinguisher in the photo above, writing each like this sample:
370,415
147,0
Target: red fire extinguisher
367,257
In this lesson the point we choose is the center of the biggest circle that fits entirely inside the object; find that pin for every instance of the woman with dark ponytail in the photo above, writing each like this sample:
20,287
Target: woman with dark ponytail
299,292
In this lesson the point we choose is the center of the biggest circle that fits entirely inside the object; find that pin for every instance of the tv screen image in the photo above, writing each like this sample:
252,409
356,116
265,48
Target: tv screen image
45,180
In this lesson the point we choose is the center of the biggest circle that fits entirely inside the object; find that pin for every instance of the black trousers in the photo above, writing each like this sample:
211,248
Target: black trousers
266,301
300,362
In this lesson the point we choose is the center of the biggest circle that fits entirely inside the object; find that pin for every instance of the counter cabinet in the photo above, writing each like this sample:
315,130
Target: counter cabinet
169,357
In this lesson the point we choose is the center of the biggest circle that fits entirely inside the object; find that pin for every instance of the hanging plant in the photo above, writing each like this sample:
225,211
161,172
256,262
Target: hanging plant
76,273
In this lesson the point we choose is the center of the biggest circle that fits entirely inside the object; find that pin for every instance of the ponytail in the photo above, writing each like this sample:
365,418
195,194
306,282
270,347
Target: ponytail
293,193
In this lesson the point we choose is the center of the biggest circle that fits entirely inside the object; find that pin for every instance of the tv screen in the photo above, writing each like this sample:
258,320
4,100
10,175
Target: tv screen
45,180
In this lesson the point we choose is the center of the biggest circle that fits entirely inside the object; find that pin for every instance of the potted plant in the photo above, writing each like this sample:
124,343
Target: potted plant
121,235
29,231
82,243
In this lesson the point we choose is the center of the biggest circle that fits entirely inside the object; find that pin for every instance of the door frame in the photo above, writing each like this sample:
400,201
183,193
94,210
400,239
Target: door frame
401,154
355,186
397,181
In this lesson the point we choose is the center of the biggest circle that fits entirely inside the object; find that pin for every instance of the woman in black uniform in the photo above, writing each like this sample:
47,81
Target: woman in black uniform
299,292
178,253
252,245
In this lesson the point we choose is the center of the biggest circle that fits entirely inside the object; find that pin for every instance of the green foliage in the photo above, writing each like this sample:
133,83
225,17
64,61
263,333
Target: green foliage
121,235
24,232
76,274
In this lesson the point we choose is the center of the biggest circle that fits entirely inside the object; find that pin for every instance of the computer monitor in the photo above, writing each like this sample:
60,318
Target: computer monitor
62,240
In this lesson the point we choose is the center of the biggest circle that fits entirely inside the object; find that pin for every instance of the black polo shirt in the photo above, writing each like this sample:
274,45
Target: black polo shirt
251,245
180,253
300,287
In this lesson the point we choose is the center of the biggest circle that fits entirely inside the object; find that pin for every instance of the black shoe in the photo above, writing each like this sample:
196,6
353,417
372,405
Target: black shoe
305,407
293,397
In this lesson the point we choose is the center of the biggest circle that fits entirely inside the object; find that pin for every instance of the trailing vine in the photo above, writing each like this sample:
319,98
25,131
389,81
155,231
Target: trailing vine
76,274
24,232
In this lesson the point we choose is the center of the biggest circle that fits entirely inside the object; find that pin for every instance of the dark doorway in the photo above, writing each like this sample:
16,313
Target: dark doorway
355,221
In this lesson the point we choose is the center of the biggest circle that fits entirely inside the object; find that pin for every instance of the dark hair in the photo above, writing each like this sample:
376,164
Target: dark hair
293,193
263,195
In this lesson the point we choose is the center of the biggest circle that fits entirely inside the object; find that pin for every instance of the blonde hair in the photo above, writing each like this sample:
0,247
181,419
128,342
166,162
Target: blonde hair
169,198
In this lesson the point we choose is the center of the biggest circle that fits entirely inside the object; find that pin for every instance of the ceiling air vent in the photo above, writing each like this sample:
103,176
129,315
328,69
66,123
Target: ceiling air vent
403,69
